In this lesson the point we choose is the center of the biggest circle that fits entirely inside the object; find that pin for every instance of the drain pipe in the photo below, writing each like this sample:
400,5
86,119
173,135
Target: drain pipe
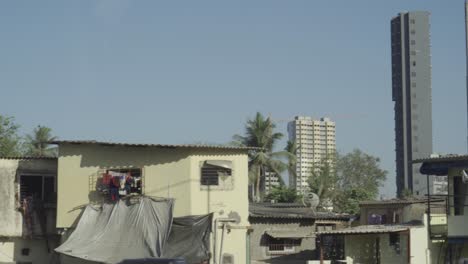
221,246
224,220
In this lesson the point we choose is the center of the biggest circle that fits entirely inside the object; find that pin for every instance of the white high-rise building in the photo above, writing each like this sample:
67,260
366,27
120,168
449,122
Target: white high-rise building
271,181
315,140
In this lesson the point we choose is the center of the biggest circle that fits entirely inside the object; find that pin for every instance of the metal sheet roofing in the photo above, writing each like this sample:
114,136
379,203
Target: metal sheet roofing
450,157
28,158
102,143
368,229
399,201
263,210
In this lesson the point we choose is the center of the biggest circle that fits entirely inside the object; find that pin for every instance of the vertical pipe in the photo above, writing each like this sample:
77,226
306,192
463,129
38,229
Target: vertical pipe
214,240
247,250
221,246
409,245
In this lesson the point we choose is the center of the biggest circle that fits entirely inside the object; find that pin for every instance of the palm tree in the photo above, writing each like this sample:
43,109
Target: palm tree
37,144
291,149
259,132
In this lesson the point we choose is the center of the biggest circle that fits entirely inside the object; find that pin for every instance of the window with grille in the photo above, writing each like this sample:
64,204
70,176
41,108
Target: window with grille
282,245
40,187
214,172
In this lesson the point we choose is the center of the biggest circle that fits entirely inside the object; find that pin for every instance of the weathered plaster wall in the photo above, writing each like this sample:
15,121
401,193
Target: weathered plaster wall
10,219
11,250
259,245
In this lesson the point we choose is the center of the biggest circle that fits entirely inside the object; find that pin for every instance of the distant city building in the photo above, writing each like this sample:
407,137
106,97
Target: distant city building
315,140
271,180
411,92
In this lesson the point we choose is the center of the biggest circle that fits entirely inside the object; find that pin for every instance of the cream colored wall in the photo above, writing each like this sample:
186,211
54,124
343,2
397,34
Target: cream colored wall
166,174
231,203
173,173
420,251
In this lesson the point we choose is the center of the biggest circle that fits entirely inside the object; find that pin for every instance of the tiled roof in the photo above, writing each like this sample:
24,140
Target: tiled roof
202,146
263,210
369,229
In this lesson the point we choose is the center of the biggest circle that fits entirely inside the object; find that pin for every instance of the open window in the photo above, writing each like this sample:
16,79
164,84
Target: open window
116,183
216,173
38,187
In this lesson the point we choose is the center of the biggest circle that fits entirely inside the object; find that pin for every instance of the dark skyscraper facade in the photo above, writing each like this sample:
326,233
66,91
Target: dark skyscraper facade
411,92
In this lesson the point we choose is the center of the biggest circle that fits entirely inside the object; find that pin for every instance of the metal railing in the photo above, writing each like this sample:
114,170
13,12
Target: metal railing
442,206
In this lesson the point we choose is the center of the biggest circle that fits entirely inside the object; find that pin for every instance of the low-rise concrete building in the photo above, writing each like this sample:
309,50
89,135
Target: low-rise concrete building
455,169
201,179
391,231
28,209
286,233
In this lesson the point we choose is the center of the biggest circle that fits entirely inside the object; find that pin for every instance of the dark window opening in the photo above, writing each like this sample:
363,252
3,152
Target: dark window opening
38,187
397,219
458,195
384,219
212,171
25,251
394,239
333,247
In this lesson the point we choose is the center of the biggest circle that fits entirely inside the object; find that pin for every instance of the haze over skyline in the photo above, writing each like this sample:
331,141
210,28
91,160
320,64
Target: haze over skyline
173,72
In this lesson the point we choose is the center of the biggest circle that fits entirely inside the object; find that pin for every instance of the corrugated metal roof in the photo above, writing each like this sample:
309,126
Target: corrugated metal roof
399,201
266,211
288,234
28,158
368,229
450,157
94,142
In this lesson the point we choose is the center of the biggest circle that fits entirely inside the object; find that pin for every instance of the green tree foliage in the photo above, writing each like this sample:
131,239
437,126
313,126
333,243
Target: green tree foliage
260,133
37,143
346,182
324,180
291,149
10,144
282,194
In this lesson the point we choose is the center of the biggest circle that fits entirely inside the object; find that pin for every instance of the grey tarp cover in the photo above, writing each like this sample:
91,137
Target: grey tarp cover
119,231
189,238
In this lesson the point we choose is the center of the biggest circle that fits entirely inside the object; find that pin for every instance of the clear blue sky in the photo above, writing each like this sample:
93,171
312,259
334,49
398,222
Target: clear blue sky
191,71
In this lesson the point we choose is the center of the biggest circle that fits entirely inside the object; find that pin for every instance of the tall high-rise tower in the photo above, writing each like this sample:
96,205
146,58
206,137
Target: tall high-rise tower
315,140
411,92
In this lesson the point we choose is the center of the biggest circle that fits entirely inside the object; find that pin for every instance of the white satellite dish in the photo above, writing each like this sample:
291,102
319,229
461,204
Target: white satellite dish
311,200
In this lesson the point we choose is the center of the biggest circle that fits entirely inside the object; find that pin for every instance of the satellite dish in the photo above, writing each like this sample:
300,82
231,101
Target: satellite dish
464,176
311,200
